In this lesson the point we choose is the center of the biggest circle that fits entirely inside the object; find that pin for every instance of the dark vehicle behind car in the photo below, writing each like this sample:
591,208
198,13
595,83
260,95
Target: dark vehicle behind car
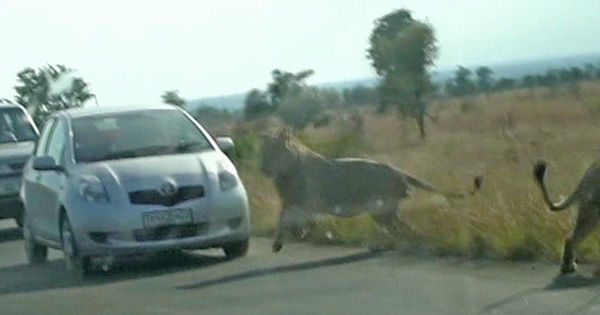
18,134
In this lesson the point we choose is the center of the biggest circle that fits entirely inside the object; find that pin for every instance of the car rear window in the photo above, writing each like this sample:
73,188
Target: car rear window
15,126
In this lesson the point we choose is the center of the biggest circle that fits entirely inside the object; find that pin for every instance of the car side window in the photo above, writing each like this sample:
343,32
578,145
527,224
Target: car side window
57,142
40,146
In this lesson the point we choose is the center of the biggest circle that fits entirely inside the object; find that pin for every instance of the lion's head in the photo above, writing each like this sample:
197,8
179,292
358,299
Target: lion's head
277,158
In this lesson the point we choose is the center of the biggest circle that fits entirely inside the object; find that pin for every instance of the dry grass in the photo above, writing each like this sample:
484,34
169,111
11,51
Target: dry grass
500,138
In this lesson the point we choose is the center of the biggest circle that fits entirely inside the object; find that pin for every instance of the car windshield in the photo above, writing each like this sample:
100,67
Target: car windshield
136,134
15,126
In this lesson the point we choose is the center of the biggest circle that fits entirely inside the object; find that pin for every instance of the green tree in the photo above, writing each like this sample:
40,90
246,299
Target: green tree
449,87
401,49
359,95
301,108
504,84
284,83
331,97
528,82
256,104
172,97
463,84
50,89
540,79
484,79
288,97
564,76
590,71
551,82
212,118
576,76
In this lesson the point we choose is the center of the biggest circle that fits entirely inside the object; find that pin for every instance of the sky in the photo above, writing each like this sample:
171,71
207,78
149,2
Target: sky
131,51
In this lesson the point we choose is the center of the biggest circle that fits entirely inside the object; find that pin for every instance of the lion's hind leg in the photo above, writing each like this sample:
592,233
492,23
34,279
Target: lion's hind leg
587,221
396,230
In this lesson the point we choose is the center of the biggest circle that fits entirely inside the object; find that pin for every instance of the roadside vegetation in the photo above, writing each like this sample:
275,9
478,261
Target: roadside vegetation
443,132
499,137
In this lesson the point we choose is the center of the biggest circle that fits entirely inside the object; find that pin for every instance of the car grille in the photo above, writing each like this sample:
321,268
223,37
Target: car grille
170,232
153,197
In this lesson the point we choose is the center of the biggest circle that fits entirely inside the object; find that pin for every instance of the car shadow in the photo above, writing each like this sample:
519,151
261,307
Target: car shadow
52,275
280,269
10,234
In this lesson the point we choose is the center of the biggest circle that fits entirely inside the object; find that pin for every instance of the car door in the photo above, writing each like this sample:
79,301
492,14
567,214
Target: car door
34,205
52,183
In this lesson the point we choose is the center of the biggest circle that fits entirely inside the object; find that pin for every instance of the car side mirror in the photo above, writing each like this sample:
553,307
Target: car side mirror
226,144
46,163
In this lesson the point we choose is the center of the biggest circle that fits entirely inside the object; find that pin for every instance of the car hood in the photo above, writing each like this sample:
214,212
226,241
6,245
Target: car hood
149,173
16,151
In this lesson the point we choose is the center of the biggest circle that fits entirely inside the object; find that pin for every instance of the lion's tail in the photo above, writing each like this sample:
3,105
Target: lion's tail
413,181
539,172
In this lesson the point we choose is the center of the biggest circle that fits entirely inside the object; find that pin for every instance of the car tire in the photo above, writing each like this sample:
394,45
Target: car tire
75,264
236,249
36,253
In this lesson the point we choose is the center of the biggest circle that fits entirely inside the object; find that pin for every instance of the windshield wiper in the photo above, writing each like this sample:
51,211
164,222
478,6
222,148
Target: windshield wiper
190,146
125,154
182,147
139,152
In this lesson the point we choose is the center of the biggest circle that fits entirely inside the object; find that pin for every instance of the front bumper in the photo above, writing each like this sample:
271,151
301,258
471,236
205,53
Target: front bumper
126,243
105,230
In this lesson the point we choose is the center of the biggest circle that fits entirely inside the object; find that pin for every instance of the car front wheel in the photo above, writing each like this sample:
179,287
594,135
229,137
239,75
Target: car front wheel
236,249
36,253
74,263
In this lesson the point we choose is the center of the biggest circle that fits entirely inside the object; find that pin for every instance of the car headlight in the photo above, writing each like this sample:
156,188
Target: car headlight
227,176
91,189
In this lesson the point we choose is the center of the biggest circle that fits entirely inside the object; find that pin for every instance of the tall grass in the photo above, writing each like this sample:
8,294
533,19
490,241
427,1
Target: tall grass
500,138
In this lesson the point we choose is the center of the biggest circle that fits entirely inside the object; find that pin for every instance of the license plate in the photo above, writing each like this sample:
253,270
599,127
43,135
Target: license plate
167,217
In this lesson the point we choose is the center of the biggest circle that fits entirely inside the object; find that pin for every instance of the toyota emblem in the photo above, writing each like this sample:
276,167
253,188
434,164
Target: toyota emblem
167,189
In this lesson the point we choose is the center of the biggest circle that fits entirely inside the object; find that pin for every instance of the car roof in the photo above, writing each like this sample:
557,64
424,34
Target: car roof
103,110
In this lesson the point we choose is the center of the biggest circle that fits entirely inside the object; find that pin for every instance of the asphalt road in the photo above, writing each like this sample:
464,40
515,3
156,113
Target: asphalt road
301,279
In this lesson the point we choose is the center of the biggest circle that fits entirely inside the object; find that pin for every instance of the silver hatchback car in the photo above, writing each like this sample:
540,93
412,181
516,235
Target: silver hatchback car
110,182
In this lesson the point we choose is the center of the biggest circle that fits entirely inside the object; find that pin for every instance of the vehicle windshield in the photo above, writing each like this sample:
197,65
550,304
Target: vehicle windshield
15,126
136,134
